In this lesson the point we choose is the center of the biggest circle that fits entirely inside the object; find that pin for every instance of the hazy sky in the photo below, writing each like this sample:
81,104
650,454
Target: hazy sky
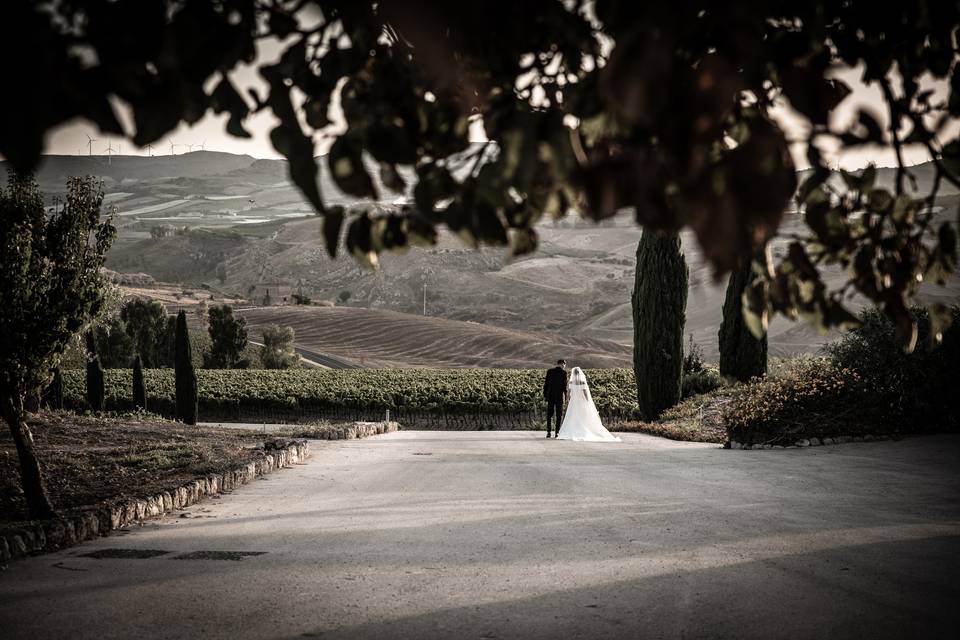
71,139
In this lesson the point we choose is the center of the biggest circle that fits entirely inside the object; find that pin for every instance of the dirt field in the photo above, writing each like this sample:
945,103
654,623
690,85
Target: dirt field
87,460
374,338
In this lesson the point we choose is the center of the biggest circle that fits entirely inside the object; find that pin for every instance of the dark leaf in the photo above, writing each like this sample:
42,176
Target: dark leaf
851,180
346,167
360,242
298,149
522,241
391,178
419,231
951,157
880,201
836,315
869,121
811,182
332,223
434,184
226,98
941,318
281,24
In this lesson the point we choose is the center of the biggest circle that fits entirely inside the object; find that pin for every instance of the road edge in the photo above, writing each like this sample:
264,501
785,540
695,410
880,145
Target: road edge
99,520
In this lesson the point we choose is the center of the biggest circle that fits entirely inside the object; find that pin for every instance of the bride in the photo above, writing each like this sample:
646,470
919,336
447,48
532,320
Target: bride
581,421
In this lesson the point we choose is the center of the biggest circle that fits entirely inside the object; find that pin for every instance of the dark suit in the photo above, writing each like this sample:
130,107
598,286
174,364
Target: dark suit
555,392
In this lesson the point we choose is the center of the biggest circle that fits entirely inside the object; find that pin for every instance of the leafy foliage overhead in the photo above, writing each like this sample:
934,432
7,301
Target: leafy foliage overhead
662,108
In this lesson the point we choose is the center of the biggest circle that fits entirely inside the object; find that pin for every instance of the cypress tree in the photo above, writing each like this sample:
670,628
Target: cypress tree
186,378
742,356
659,304
96,393
139,390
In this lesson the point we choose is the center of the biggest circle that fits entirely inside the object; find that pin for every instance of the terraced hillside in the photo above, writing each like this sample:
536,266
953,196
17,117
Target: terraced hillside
375,338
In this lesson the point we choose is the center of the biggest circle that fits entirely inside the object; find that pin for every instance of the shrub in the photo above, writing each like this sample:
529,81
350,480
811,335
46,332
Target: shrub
812,398
705,380
916,390
693,359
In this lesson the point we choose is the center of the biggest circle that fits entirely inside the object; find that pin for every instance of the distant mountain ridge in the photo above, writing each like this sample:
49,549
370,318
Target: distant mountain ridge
55,169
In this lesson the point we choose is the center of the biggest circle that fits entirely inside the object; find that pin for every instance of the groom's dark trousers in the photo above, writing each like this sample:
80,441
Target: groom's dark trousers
554,392
554,407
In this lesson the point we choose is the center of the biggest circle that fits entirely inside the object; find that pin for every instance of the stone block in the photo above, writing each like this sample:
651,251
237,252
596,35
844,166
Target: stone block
105,520
17,546
91,523
803,443
814,442
116,517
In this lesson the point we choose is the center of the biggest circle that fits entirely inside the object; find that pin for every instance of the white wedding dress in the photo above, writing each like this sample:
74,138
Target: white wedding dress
581,422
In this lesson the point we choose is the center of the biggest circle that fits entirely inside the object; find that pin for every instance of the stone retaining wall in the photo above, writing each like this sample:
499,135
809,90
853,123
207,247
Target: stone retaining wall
810,442
85,524
356,430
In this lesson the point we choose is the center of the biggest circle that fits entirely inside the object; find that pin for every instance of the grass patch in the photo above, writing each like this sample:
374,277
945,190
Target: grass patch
696,419
159,458
92,459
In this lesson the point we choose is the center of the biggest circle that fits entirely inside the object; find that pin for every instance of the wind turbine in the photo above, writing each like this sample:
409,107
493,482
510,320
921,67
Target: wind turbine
109,150
150,150
203,144
90,142
190,148
172,145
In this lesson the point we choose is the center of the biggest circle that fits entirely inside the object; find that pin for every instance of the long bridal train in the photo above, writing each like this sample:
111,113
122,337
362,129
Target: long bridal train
581,422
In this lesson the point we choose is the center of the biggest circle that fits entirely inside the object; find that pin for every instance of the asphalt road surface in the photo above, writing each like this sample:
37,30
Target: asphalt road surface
510,535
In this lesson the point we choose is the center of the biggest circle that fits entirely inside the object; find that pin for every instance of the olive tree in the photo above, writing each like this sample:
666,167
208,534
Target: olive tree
228,339
50,286
278,351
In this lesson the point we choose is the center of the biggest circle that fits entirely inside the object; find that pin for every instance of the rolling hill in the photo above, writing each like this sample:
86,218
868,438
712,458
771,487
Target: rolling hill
248,229
374,338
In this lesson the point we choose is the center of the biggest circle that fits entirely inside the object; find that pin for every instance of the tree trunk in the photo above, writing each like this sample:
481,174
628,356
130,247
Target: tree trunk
96,389
53,394
34,490
742,356
139,389
659,304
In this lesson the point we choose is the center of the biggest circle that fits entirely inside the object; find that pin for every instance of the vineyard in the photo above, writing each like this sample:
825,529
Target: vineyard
421,398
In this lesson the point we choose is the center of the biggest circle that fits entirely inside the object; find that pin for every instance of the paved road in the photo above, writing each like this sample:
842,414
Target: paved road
508,535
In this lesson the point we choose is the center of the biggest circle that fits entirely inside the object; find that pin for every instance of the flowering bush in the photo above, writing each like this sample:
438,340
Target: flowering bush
813,397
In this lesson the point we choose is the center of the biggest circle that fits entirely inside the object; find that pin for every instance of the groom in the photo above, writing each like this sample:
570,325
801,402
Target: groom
555,392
